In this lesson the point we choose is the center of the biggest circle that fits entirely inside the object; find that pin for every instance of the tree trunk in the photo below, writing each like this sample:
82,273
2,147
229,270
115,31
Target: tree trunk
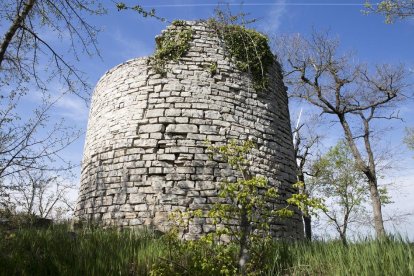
372,179
368,170
376,207
17,22
343,238
244,252
307,220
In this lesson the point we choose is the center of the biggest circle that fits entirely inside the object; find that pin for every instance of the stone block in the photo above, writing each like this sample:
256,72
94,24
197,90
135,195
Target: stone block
193,113
207,129
181,120
201,156
170,157
141,207
154,113
181,128
151,128
212,114
173,112
145,143
185,170
136,198
186,184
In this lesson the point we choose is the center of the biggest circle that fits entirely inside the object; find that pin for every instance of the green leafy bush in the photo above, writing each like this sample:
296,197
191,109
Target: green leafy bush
171,45
250,50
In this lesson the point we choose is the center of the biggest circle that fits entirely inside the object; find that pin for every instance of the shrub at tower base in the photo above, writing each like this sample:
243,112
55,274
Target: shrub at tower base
242,218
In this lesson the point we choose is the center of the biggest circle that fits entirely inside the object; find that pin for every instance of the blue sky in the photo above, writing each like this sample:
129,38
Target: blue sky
126,35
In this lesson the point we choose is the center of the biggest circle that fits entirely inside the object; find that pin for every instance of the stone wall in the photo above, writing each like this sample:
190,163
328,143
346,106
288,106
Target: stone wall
145,152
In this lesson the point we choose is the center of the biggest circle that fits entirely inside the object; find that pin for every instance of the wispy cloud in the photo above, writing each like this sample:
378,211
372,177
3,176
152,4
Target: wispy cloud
128,47
72,107
273,18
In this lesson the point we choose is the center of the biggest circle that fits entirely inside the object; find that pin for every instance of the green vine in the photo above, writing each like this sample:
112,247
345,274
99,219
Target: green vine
213,68
171,45
250,50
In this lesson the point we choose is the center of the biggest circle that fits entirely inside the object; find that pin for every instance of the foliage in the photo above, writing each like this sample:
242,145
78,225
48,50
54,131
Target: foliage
392,256
307,204
196,257
352,92
391,9
139,9
171,45
337,179
249,48
55,251
12,221
213,68
249,197
241,219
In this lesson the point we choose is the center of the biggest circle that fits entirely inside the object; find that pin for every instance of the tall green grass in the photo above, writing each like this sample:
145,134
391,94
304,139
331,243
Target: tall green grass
391,256
55,251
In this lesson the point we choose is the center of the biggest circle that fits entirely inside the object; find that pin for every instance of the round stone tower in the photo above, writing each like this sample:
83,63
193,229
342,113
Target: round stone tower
145,153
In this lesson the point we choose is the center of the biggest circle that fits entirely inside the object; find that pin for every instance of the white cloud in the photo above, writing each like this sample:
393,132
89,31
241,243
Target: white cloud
72,107
402,194
273,18
128,47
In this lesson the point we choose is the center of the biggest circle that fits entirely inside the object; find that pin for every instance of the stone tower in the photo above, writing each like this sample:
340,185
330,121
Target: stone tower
145,152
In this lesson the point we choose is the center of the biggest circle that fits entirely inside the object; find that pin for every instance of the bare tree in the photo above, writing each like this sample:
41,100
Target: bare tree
29,145
41,193
29,62
32,57
33,146
41,43
27,51
350,91
305,140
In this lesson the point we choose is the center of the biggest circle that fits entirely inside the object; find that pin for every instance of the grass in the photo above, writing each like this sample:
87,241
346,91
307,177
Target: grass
55,251
392,256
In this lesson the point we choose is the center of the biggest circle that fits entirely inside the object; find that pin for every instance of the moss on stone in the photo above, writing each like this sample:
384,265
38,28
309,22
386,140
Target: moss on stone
213,68
250,50
171,45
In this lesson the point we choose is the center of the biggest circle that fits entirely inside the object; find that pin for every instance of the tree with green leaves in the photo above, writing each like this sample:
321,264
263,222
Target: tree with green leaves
344,187
391,9
249,201
248,206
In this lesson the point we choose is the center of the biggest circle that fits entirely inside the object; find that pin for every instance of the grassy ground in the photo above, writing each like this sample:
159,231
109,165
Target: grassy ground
55,251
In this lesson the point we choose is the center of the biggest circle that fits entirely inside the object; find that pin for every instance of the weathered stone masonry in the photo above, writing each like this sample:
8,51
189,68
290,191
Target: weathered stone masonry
145,152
